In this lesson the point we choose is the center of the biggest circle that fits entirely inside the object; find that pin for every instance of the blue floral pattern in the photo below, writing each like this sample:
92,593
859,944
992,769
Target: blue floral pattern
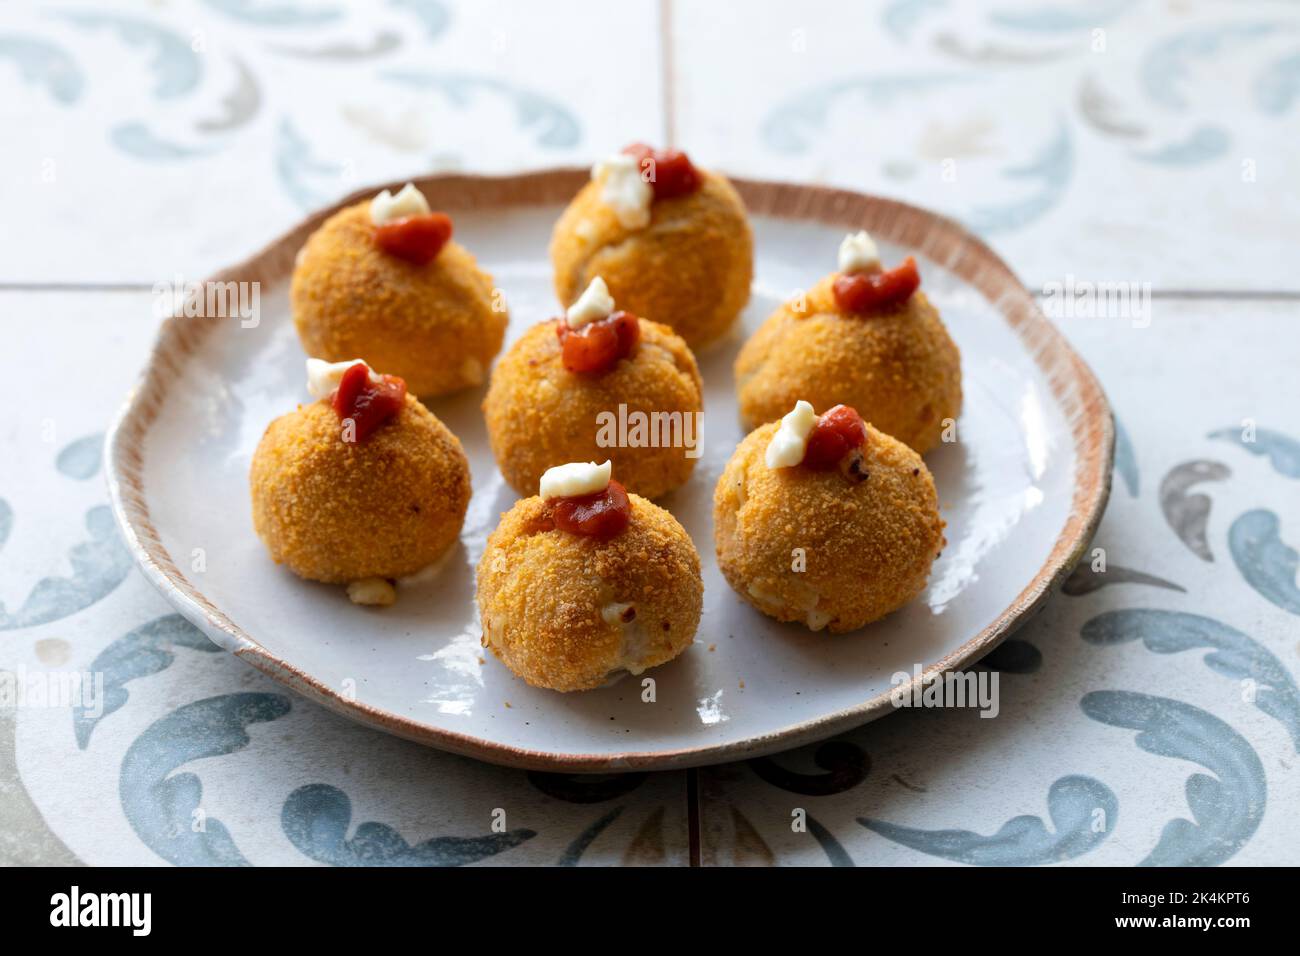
165,807
1226,807
316,819
1232,654
99,564
176,721
1074,804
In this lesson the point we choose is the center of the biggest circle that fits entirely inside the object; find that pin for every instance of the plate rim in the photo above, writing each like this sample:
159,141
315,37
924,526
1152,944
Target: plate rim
942,240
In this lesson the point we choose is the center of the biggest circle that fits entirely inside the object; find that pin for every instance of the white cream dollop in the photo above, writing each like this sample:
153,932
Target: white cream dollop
623,190
575,478
594,304
323,377
373,592
858,253
787,447
409,201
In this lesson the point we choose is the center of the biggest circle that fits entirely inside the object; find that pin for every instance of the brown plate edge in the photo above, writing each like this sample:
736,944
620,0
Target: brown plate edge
936,237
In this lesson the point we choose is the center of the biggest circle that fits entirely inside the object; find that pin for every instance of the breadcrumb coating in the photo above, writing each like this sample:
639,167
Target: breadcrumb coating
868,545
432,325
339,511
901,370
690,268
568,612
540,415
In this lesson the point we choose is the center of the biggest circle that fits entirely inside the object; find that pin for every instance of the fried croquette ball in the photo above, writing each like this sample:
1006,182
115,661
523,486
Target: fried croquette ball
900,369
570,612
865,546
689,268
436,325
345,511
540,414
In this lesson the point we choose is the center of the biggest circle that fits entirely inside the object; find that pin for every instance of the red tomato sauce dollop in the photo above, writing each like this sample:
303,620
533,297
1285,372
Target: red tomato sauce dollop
601,514
869,293
837,432
598,346
367,404
671,171
417,239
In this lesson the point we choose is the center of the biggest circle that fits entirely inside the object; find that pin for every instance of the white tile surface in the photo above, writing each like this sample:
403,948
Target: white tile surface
942,770
133,155
141,156
96,341
1132,161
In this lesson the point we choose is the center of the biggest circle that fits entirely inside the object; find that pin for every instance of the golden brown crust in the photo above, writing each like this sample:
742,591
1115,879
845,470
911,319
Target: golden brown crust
341,511
551,601
901,371
433,325
540,415
690,268
868,545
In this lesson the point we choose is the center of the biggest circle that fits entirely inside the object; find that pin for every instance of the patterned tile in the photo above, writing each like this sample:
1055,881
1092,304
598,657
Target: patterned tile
1150,713
185,754
1191,648
1115,140
178,139
206,762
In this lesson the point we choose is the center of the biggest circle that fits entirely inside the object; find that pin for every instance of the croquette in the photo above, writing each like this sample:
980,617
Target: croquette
900,370
690,268
539,414
821,549
569,612
438,325
342,512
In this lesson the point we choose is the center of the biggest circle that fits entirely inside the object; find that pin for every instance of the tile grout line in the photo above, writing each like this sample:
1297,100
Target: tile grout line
76,286
693,815
1254,295
666,70
1249,295
666,89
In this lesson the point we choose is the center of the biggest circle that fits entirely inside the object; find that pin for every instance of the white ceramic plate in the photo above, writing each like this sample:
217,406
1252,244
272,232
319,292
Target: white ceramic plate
1022,491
